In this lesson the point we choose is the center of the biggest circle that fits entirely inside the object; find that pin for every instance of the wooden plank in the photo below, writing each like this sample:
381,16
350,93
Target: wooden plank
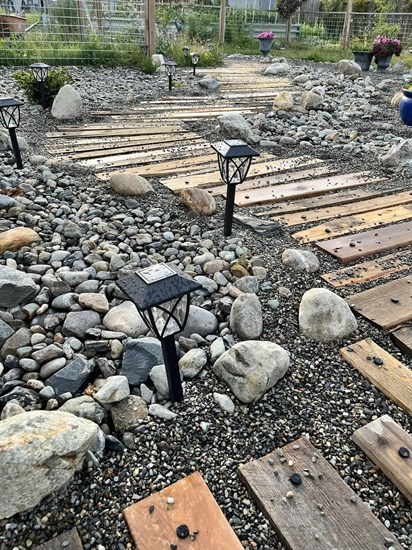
386,305
381,440
392,377
100,153
66,541
331,199
394,199
357,222
114,132
144,158
323,512
153,522
369,271
279,193
169,167
258,168
350,248
255,183
402,338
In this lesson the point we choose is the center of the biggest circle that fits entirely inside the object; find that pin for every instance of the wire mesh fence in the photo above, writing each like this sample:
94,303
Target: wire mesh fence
97,32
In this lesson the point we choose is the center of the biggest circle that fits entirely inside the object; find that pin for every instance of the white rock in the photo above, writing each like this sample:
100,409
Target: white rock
277,68
217,348
125,318
115,389
67,104
234,126
398,154
130,184
251,368
224,402
324,316
158,59
192,362
159,378
246,317
161,412
283,100
349,68
300,260
43,450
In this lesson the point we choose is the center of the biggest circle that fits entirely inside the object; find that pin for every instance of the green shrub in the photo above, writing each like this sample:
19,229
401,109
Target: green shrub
55,80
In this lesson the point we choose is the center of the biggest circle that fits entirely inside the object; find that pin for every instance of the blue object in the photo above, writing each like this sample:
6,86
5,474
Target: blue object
405,107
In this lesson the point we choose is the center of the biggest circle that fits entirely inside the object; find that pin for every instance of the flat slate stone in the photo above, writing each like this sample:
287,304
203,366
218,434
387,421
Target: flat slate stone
5,332
139,357
72,378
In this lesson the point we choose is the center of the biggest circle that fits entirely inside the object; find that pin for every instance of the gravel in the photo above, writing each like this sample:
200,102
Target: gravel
320,396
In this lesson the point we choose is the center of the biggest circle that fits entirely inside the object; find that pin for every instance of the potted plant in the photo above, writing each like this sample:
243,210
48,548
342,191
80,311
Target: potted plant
383,49
405,105
361,47
265,42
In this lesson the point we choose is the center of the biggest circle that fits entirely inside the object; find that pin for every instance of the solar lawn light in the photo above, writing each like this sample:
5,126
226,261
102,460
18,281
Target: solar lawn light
40,73
161,294
234,157
195,60
186,51
170,68
145,49
10,119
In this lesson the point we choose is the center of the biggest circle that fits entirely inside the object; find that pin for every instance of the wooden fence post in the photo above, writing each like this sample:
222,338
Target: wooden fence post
222,21
346,25
150,26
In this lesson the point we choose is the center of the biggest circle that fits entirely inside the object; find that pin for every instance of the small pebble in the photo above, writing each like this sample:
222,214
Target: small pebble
170,500
289,494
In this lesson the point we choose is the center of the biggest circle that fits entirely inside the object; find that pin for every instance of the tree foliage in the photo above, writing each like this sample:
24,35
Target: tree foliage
287,8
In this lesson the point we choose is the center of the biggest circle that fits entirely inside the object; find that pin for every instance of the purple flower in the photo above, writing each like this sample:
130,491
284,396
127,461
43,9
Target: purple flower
266,34
384,46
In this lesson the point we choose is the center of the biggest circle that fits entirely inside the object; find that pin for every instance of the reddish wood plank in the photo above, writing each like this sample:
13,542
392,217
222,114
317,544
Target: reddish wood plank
349,248
153,522
321,513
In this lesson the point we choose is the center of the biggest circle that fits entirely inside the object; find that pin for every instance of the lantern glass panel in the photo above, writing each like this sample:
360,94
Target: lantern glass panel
234,170
168,318
10,116
40,71
195,58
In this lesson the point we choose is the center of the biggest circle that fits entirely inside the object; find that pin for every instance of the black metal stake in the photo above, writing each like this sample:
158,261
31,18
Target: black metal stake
230,201
194,70
43,98
172,368
170,82
16,148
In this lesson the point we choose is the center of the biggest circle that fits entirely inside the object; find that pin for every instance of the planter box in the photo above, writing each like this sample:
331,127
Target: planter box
12,24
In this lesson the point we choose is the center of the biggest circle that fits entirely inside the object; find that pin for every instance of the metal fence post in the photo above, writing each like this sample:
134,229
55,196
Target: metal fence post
222,21
150,26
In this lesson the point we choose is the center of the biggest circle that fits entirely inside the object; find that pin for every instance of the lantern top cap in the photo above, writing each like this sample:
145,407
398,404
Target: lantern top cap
234,148
39,66
170,62
9,102
156,284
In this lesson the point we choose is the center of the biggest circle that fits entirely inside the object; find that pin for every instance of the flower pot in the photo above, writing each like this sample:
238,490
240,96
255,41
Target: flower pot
363,59
383,62
10,24
405,107
265,45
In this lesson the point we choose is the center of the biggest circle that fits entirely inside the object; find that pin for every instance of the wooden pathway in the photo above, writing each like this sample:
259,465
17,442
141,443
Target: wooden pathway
321,511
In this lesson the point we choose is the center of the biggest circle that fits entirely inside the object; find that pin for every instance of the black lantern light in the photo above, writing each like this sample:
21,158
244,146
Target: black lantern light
40,73
145,49
195,60
234,157
10,119
161,294
170,69
186,51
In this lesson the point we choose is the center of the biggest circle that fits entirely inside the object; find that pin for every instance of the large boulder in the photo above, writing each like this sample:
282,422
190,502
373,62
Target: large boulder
234,126
42,450
125,318
283,100
246,317
16,238
251,368
349,68
130,184
15,287
397,154
67,104
209,83
324,316
311,100
277,68
199,201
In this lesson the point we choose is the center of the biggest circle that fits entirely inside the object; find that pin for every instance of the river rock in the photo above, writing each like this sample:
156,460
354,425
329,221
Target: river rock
84,407
114,390
67,104
209,83
199,201
324,316
5,331
72,378
311,100
93,300
349,68
200,321
300,260
277,68
129,413
234,126
246,317
397,154
130,184
77,323
251,368
43,450
158,376
15,287
283,100
192,362
16,238
139,357
125,318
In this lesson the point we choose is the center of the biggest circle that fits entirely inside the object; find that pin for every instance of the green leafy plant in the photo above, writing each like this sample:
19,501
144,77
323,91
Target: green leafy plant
360,43
55,80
